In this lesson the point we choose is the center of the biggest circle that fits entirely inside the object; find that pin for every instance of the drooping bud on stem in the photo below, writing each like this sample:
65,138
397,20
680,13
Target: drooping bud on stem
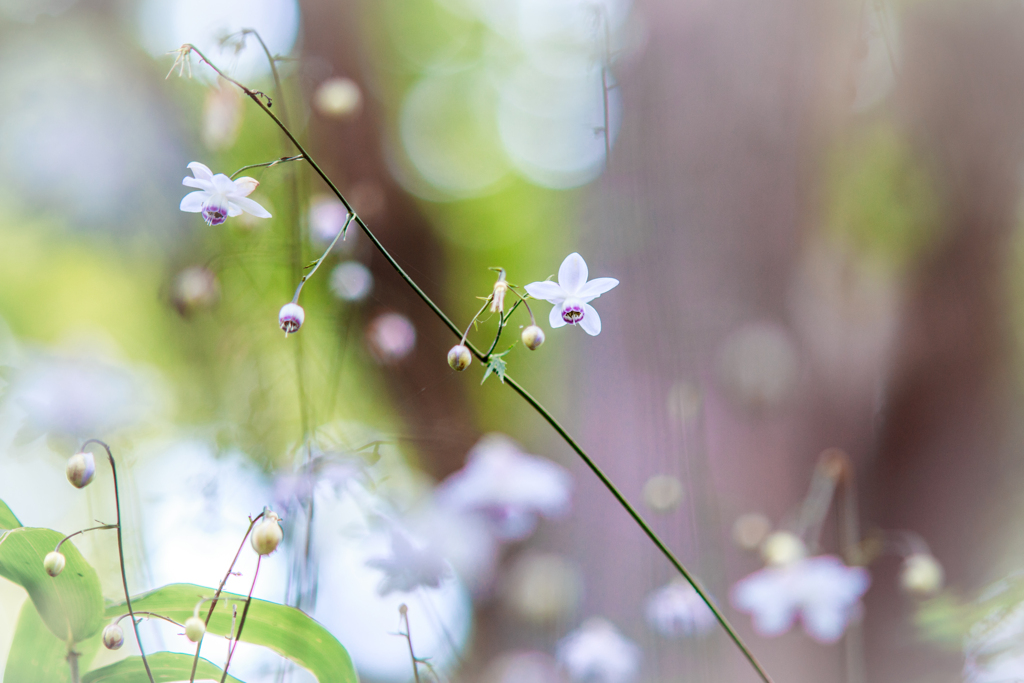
113,637
195,629
267,534
533,337
291,318
783,547
81,468
459,357
53,563
921,575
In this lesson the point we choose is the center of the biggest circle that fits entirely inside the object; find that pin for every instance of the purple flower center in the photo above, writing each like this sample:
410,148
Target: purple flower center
289,323
572,314
214,215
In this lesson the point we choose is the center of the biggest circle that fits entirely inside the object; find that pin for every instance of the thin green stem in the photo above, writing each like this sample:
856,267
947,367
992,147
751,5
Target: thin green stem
502,321
73,665
94,528
255,97
403,611
316,264
241,622
220,588
151,614
120,554
266,164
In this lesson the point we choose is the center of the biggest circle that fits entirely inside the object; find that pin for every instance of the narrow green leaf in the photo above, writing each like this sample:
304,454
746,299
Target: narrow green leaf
495,365
7,518
283,629
36,654
166,666
70,604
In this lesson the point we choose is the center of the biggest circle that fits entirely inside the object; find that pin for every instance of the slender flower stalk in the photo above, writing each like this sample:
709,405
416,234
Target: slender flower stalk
94,528
120,554
257,97
241,622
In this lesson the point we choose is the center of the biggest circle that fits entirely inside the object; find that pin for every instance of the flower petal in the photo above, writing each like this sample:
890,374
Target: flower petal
596,287
245,186
250,206
555,317
591,322
201,171
196,183
234,209
546,290
572,274
193,202
223,184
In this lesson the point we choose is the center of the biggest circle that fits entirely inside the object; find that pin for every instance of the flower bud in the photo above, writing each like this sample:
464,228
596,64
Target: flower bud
195,629
533,337
459,358
113,637
921,575
267,534
783,547
81,468
53,563
290,318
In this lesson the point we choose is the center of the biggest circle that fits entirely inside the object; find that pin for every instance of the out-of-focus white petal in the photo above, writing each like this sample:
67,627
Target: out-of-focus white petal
765,594
596,287
193,201
572,274
250,206
234,209
677,610
596,651
825,622
196,183
591,322
555,316
547,291
201,171
223,184
244,186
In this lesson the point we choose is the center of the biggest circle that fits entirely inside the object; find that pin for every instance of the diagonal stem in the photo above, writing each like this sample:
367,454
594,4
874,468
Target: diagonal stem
241,622
120,553
255,97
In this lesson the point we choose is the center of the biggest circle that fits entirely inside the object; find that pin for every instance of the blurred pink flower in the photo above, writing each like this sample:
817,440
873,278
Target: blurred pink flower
596,651
823,591
218,196
391,336
508,487
572,295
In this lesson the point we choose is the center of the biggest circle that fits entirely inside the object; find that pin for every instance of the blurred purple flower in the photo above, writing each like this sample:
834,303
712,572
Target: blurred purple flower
596,651
509,488
391,337
677,610
823,591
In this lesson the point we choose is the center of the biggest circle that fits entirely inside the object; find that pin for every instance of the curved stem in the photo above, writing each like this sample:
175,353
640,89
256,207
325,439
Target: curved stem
255,97
120,554
241,622
151,614
316,264
266,164
220,588
95,528
502,321
533,321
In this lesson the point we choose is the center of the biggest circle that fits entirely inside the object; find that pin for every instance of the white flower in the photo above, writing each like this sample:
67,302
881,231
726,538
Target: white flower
409,565
572,295
219,196
508,487
677,610
596,651
823,591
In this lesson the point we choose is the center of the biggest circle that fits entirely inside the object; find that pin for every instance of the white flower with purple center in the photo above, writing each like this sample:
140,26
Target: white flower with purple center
597,652
823,591
677,610
217,196
572,295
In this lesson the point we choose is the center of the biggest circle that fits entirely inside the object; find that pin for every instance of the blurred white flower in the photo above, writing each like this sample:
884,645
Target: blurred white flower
391,336
338,97
571,295
677,610
823,591
596,651
409,565
218,196
351,281
508,487
222,115
327,217
992,651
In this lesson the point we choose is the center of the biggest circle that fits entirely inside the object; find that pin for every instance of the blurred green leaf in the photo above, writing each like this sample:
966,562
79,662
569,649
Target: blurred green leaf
7,518
166,666
285,630
70,604
36,654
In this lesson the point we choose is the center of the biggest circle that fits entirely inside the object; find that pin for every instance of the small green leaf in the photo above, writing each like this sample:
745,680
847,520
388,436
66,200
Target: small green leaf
70,604
36,654
285,630
166,666
7,518
495,365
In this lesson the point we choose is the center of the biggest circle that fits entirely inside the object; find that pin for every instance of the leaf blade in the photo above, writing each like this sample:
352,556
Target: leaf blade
166,666
8,520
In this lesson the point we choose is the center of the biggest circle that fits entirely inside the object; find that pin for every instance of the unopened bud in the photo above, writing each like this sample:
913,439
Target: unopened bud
921,575
783,547
459,358
113,637
53,563
267,534
290,318
81,468
195,629
533,337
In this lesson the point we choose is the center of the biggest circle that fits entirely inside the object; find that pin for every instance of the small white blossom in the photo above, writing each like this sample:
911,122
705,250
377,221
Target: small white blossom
823,591
677,610
572,295
218,196
409,565
597,652
508,487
